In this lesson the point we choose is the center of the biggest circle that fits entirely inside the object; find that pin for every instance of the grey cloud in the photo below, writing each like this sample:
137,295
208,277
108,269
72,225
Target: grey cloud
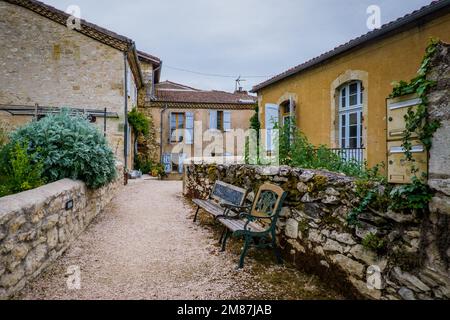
233,37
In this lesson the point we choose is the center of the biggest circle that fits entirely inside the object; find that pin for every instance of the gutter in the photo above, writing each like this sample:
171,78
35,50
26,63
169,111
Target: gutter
125,56
163,111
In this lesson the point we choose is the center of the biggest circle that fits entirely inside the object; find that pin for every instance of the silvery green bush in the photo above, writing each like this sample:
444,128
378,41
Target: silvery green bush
69,147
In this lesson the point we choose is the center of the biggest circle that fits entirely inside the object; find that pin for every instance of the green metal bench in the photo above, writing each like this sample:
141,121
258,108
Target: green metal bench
221,195
258,226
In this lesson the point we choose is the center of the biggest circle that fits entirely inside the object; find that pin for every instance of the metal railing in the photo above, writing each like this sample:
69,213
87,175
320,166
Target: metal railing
351,154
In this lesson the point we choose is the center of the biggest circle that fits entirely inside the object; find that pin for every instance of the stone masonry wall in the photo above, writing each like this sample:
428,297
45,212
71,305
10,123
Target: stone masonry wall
35,227
438,248
46,63
314,234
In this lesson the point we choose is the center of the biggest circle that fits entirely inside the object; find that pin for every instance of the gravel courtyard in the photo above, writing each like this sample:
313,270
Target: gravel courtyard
145,246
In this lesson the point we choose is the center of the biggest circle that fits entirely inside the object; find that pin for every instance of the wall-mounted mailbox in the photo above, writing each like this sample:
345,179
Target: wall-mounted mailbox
399,169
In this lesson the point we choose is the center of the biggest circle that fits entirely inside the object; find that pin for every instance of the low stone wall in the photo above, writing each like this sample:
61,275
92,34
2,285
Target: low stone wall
314,234
36,228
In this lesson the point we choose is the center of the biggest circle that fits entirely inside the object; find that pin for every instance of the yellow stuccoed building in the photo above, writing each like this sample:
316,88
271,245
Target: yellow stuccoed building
339,99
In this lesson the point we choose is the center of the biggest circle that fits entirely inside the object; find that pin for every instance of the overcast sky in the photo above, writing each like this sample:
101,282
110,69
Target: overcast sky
235,37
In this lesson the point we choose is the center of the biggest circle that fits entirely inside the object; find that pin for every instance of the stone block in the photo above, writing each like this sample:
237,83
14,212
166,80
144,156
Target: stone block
364,289
343,237
406,294
440,152
440,204
348,265
368,257
291,229
52,238
10,279
35,258
333,246
410,280
16,223
441,185
307,176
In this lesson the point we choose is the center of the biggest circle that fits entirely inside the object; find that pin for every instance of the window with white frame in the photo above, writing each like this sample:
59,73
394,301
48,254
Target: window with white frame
351,115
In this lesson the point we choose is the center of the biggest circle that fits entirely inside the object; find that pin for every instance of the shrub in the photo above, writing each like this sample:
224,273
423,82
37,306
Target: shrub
19,169
69,147
375,243
295,150
4,129
139,122
414,196
143,164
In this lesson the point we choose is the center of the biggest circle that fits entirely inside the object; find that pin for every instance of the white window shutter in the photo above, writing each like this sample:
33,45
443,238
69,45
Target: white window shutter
189,132
227,121
213,119
272,118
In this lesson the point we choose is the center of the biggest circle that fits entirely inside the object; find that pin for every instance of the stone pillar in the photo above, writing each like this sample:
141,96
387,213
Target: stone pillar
438,235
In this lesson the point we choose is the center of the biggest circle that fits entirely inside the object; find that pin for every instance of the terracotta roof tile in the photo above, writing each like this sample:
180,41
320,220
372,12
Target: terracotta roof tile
176,93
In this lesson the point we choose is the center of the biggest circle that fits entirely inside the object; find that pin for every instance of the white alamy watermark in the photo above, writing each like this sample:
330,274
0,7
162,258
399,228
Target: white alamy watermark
74,21
374,278
73,275
374,19
231,146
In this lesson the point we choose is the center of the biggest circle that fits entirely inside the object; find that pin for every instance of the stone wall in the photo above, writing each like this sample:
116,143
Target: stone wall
36,228
314,234
438,248
46,63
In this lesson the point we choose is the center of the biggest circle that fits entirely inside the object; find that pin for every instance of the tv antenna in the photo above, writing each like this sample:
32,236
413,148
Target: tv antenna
238,84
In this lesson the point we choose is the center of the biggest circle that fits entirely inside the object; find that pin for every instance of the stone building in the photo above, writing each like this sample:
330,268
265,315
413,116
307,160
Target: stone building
339,98
48,62
186,120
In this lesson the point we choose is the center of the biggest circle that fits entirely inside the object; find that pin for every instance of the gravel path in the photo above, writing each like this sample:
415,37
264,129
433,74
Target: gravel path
145,246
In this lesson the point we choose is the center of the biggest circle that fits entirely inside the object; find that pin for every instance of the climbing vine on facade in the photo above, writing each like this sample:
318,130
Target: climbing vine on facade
417,121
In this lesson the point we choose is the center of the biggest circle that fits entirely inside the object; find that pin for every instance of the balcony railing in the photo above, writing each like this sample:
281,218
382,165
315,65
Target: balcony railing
351,155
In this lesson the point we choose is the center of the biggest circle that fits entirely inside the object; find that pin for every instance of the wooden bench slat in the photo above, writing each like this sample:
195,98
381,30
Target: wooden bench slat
239,225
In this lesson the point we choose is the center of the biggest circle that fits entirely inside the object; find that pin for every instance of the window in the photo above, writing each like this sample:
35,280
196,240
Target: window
182,127
287,113
272,114
351,116
220,120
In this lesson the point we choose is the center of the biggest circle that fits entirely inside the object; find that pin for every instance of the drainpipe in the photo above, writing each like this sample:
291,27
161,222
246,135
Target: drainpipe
125,56
163,111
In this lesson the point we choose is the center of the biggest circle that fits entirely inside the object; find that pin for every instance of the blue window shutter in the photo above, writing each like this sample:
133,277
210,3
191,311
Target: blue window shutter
172,125
227,121
213,119
189,139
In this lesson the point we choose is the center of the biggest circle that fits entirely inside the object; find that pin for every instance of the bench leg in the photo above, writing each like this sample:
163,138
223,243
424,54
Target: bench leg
224,243
196,214
244,252
275,249
222,235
